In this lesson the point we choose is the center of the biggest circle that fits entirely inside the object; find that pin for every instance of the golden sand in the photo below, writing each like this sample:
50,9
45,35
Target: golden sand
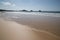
13,31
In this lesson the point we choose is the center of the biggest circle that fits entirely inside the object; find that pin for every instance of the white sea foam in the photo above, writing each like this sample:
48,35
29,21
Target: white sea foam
9,15
35,13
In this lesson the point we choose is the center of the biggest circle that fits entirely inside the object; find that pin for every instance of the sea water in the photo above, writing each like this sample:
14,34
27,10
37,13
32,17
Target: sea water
19,14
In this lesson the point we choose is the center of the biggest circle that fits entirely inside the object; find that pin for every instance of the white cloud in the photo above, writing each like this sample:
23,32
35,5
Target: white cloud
13,5
8,4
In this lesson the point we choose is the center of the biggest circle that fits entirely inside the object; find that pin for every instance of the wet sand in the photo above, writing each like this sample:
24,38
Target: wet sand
33,27
13,31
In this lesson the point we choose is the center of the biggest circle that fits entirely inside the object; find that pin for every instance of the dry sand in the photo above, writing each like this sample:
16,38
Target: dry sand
13,31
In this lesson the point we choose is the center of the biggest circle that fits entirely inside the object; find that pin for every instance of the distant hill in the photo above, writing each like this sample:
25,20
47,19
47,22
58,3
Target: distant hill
2,10
51,11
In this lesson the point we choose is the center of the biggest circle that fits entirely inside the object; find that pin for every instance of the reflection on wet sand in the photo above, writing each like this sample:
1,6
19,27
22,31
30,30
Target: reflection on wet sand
13,31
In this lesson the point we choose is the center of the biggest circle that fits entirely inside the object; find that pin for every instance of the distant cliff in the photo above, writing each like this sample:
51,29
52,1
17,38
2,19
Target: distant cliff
2,10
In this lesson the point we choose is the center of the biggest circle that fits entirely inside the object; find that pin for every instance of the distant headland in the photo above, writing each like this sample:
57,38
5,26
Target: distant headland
19,10
3,10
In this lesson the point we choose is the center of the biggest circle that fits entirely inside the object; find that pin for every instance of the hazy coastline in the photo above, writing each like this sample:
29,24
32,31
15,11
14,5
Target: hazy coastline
2,10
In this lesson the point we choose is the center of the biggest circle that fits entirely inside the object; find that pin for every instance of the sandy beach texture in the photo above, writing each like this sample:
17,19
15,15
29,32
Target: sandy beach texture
11,30
29,26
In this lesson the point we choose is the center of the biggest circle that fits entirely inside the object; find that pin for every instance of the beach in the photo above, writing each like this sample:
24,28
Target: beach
30,26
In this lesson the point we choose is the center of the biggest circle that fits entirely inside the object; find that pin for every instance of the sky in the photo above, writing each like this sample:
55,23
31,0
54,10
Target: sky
44,5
